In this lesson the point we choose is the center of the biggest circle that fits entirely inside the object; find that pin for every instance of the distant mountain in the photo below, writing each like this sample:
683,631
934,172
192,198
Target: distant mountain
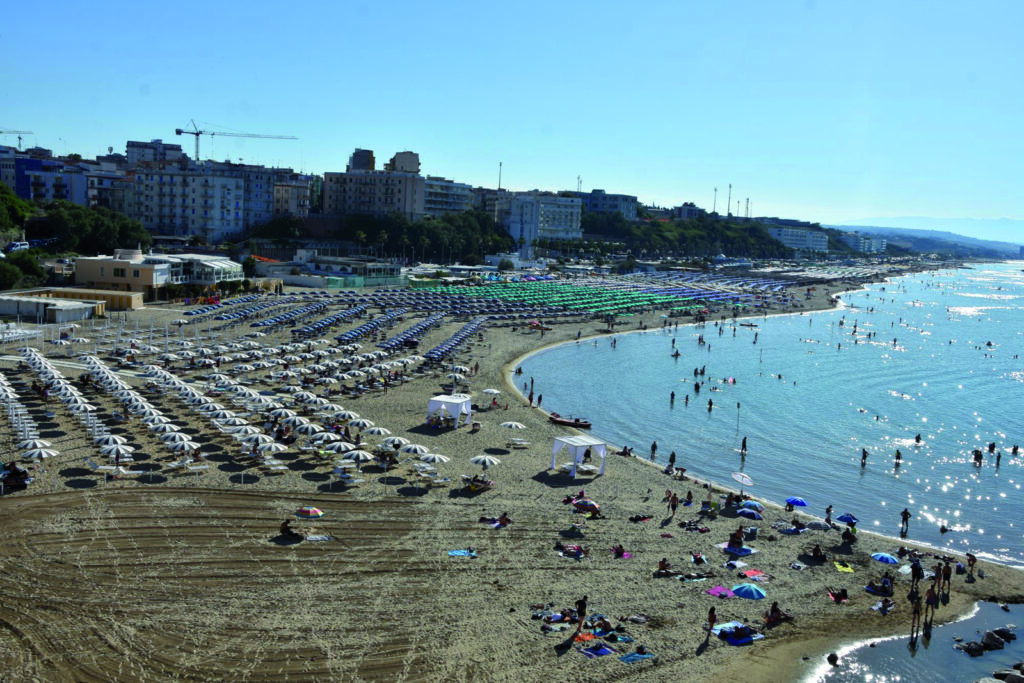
1001,229
939,240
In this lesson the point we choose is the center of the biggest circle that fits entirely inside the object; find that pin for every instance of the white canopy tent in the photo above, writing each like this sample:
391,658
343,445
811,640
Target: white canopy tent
578,446
453,405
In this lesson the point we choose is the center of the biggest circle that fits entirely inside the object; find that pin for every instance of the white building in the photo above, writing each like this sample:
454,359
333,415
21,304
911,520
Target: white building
867,244
153,151
532,216
800,239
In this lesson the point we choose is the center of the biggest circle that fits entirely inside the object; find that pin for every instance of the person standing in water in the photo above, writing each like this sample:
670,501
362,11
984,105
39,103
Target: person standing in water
863,457
743,446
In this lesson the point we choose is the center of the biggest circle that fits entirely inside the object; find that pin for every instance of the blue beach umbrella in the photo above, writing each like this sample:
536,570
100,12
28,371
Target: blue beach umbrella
797,502
752,505
884,558
749,514
847,518
749,591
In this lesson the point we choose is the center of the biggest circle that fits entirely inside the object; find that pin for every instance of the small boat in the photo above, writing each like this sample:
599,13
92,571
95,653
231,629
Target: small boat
577,422
748,324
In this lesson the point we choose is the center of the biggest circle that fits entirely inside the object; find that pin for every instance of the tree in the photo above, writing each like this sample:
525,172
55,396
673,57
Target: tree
27,262
472,260
280,228
249,267
506,264
9,275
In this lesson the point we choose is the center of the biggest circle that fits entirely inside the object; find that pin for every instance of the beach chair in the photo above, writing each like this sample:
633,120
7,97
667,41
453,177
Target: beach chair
197,470
107,470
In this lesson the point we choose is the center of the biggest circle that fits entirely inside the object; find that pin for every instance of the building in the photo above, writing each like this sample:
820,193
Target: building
801,239
689,211
441,196
406,162
374,193
292,196
361,160
532,216
47,180
486,199
862,242
152,152
132,271
7,156
198,201
110,189
599,201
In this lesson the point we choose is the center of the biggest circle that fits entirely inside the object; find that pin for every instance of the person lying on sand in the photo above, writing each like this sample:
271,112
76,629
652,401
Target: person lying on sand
639,518
502,520
577,551
618,551
698,558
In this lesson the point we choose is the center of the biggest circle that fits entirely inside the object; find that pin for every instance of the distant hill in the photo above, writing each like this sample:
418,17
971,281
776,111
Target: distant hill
939,241
1001,229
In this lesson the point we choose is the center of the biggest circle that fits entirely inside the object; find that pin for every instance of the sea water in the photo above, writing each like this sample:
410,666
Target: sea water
932,353
931,657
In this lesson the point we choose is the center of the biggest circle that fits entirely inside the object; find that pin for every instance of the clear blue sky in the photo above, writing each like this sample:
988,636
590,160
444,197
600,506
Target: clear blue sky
828,111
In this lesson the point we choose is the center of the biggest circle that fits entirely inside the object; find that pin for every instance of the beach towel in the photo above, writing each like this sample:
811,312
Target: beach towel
318,537
496,525
751,573
618,638
462,553
635,657
597,651
584,637
721,592
625,556
843,568
878,608
725,631
792,532
734,564
554,627
739,552
687,504
878,591
686,580
727,626
746,640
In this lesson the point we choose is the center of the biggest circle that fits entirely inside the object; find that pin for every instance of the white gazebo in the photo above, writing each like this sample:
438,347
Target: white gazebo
578,446
451,405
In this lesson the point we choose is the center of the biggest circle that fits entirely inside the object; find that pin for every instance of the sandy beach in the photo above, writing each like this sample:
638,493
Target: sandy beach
183,576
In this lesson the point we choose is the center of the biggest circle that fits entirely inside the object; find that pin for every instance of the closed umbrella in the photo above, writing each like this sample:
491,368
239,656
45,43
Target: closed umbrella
749,591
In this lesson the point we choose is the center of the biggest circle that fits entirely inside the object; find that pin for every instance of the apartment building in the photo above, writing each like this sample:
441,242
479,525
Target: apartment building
374,193
441,196
862,242
153,151
599,201
801,239
532,216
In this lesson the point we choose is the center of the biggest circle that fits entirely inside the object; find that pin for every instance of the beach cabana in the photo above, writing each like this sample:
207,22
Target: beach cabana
451,405
577,446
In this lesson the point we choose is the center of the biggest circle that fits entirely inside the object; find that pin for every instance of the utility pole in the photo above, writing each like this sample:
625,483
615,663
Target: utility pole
579,183
728,202
499,175
714,204
747,211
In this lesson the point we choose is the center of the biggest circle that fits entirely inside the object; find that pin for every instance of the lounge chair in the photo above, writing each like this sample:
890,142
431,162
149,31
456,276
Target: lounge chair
107,470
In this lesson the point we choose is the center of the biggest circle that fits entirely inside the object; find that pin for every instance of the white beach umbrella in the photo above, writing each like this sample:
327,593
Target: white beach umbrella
179,446
295,421
513,425
434,458
414,448
485,461
119,449
109,440
171,437
395,441
325,437
39,453
308,429
272,447
30,444
339,447
377,431
163,427
361,424
256,438
282,413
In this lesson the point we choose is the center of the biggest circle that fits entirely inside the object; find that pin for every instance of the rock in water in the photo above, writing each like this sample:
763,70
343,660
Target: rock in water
972,648
833,659
1005,633
990,641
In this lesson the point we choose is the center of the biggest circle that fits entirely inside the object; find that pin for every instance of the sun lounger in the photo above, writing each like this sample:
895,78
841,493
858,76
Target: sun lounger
107,470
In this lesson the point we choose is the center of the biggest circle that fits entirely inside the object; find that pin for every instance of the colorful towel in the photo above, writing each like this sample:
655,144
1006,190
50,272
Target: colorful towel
584,637
751,573
734,564
739,552
878,608
618,638
462,553
721,592
635,657
843,568
598,651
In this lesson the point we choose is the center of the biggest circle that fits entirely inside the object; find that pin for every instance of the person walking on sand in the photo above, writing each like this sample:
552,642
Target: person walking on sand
947,578
931,600
915,616
712,618
581,612
654,449
673,503
540,397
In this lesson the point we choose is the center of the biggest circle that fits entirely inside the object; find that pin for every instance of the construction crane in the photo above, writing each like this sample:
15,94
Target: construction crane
195,132
19,133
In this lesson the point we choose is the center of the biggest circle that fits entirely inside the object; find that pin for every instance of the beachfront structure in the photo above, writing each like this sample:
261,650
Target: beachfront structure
374,193
532,216
868,244
801,239
132,271
599,201
441,196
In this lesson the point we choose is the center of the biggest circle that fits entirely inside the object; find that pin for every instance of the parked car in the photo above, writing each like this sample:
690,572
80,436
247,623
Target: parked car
15,246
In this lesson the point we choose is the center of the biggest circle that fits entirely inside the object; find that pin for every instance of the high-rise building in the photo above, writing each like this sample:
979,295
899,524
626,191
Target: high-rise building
801,239
361,160
862,242
373,193
407,162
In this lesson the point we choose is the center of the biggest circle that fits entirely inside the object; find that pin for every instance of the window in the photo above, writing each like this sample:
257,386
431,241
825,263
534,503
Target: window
103,270
119,272
135,274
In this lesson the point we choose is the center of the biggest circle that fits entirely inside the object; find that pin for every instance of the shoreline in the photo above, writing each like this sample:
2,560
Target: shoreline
199,553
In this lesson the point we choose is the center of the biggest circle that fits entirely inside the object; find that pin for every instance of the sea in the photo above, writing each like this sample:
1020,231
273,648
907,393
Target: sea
926,364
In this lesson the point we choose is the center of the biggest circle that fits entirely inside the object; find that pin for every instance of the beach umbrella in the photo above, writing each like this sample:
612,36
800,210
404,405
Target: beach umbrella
282,413
233,422
295,421
339,447
178,446
156,420
377,431
485,461
491,392
797,502
163,427
308,429
325,437
29,444
118,449
414,448
752,505
272,447
346,415
884,558
750,514
818,526
256,438
749,591
39,453
171,437
455,377
308,512
743,479
847,518
109,440
359,457
513,425
434,458
361,423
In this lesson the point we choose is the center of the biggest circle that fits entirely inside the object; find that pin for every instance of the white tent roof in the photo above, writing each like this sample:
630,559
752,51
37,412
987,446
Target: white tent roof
580,441
451,405
578,445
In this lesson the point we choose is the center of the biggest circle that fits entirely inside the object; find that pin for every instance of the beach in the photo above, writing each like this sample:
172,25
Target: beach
186,577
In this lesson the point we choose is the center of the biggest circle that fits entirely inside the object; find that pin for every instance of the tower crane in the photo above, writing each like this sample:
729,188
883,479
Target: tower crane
19,133
195,132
